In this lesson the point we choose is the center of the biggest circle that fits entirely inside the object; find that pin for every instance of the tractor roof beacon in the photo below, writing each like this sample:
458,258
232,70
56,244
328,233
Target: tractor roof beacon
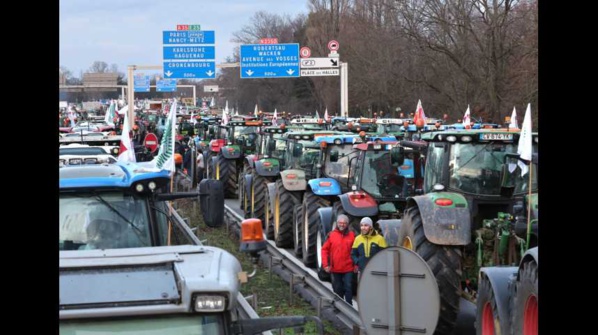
129,261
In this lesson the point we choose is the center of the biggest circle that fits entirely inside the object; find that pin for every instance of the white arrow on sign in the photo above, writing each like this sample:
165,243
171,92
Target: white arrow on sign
249,72
168,74
290,71
316,62
210,73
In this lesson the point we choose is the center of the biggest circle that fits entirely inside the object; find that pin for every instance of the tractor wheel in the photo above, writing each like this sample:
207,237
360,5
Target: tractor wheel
488,322
443,260
310,227
297,237
284,202
525,302
260,206
243,199
228,175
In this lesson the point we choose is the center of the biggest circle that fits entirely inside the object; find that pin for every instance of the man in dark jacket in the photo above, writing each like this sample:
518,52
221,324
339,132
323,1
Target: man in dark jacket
336,258
367,244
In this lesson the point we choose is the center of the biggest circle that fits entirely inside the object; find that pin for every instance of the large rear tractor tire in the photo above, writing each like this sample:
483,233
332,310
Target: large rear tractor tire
443,260
310,228
284,203
297,233
525,302
243,198
229,177
261,207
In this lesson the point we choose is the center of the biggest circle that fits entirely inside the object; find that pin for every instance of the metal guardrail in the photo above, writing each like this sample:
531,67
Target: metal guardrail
304,281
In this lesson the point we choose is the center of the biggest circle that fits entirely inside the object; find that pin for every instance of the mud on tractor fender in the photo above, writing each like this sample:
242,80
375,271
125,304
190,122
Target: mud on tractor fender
293,180
271,195
445,217
230,151
250,161
359,204
267,167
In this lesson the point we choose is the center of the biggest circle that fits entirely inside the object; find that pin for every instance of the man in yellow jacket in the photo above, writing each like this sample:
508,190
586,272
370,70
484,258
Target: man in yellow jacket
367,244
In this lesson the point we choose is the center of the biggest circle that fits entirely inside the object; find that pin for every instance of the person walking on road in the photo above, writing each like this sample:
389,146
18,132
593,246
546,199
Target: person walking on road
336,258
367,244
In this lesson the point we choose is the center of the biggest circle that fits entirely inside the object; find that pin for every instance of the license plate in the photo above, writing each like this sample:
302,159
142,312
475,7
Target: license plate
496,136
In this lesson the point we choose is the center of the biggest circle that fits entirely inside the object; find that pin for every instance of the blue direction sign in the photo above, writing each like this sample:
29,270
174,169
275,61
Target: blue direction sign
141,83
188,37
270,60
190,70
166,85
190,52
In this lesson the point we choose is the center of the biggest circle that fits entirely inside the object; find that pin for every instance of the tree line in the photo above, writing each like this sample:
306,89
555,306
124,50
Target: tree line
448,54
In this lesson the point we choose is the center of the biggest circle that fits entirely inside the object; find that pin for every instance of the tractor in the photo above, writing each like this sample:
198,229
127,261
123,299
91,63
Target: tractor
462,202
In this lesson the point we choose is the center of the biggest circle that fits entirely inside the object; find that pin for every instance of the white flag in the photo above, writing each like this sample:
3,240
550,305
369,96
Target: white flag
193,119
165,157
466,118
317,115
212,103
224,117
513,123
326,114
255,110
524,149
110,113
127,151
274,118
72,115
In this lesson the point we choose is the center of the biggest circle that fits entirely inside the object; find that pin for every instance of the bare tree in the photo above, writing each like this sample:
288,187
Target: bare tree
98,67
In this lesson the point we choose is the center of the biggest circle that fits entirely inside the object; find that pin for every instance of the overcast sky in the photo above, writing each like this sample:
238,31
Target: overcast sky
129,32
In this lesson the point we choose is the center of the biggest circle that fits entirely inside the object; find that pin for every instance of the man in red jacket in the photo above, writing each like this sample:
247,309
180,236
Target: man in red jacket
336,258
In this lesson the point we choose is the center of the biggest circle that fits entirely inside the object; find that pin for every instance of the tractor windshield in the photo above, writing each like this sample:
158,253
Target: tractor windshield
388,128
109,220
379,177
476,167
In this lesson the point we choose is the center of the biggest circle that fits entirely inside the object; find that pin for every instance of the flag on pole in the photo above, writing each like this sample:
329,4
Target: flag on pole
193,120
326,115
165,157
110,113
127,151
467,118
226,106
513,123
224,117
71,114
524,148
317,115
255,110
419,113
274,118
212,102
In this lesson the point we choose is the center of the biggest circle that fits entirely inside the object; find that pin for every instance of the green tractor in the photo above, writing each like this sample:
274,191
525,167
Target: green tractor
299,165
258,170
238,138
507,256
463,197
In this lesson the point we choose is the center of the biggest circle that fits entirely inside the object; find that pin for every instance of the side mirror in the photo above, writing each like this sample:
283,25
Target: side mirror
334,156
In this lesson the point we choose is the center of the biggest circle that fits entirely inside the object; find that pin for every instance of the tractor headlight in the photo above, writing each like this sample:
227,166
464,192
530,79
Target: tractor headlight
151,185
209,303
139,187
